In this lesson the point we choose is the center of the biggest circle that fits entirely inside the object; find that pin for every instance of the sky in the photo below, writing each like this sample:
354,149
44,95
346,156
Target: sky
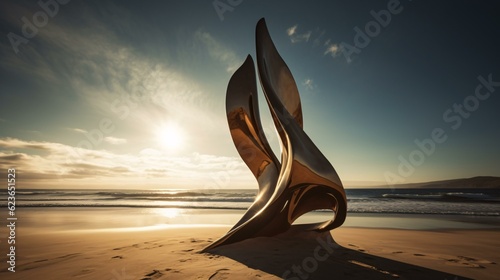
131,94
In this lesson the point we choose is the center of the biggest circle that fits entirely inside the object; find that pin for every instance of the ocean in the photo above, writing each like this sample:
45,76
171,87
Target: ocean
467,202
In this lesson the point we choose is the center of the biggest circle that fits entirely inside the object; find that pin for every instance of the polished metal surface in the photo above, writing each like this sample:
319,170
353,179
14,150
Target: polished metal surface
303,180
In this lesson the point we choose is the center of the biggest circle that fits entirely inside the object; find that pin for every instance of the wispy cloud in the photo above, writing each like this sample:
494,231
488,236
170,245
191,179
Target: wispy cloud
115,140
14,143
332,49
112,78
309,84
295,37
304,37
78,130
219,52
317,38
67,166
291,30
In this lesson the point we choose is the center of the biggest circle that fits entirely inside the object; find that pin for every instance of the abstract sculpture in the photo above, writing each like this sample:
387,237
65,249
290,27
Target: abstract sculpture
304,180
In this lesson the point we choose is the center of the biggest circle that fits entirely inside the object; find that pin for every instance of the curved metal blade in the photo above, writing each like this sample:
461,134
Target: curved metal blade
243,117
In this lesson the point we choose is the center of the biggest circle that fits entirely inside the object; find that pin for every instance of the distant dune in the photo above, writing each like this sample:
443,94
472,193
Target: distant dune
474,182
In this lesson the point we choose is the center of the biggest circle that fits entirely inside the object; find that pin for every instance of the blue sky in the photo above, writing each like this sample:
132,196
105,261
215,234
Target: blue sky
130,94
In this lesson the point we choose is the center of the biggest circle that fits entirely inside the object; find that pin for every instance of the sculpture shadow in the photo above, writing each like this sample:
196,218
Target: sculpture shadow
301,255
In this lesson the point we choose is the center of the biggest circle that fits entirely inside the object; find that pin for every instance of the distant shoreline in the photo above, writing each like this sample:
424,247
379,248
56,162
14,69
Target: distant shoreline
483,182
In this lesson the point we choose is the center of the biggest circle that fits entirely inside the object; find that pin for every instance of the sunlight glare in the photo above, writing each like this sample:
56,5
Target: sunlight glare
170,136
169,212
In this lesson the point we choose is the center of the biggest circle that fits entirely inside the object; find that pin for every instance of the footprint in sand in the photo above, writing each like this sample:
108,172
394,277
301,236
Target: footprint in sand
355,246
117,257
419,255
32,265
84,272
476,260
155,274
219,274
172,270
469,262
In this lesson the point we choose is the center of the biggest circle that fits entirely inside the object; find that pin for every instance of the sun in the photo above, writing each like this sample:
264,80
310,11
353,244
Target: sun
170,136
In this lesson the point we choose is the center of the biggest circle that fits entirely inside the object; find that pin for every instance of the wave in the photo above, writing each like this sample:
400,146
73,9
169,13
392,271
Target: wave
359,210
451,196
179,199
426,212
134,194
93,205
471,202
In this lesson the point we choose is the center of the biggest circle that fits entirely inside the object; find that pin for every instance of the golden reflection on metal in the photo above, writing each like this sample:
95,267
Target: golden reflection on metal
304,180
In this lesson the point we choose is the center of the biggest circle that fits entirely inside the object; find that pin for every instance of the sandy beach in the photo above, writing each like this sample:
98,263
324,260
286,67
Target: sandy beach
173,252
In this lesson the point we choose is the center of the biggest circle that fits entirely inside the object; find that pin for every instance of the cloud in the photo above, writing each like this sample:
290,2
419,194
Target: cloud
13,143
78,130
332,49
316,36
297,38
11,158
308,84
114,78
115,140
65,166
219,52
100,66
291,31
304,37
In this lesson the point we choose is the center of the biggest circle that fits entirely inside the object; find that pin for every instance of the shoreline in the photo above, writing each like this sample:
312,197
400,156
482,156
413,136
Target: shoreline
173,253
116,217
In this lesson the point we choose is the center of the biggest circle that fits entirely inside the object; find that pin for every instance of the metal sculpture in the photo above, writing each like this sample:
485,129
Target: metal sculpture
304,180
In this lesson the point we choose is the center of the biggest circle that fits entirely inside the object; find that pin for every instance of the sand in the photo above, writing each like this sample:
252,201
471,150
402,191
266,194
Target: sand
173,253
